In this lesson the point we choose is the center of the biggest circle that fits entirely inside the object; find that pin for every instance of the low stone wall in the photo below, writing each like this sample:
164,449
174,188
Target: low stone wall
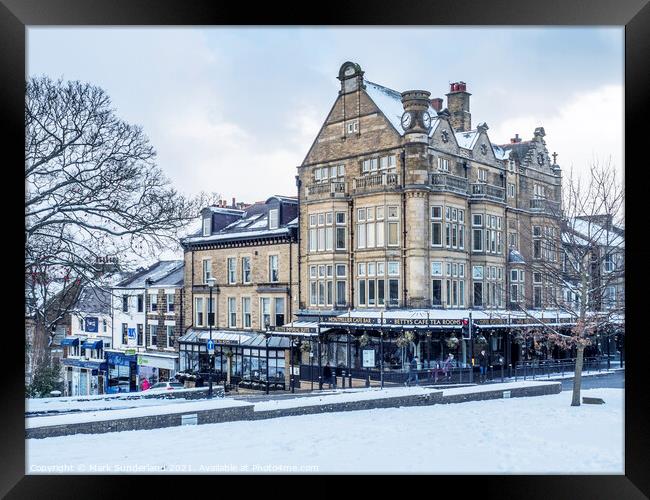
542,389
246,412
213,416
368,404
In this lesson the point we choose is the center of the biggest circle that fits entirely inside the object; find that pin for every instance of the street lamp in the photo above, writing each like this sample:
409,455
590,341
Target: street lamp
267,336
211,281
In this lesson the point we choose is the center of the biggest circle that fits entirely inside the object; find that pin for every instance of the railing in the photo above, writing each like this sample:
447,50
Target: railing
447,182
546,206
332,188
488,191
395,377
369,182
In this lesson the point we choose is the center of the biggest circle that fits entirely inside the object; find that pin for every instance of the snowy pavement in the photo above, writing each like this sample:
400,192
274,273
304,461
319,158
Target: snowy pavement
541,434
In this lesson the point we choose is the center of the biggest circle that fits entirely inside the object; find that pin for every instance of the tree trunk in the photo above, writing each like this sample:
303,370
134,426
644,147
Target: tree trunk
577,379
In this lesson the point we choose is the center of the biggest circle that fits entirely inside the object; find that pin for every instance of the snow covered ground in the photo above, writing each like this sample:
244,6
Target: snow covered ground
521,435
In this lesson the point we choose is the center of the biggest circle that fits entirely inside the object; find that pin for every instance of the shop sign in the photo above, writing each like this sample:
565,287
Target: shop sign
132,338
129,352
92,324
296,329
368,358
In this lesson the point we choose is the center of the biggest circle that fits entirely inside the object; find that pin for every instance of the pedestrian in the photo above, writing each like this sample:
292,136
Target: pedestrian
413,374
447,366
145,384
328,375
483,364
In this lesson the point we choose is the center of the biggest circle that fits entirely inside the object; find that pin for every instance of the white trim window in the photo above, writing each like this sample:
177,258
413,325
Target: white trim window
207,270
246,312
153,336
443,164
274,270
352,126
207,225
246,270
199,315
169,333
232,270
274,219
153,302
482,175
265,311
232,312
170,302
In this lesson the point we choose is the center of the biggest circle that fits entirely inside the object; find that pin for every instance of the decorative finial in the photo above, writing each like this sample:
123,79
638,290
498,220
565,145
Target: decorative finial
554,155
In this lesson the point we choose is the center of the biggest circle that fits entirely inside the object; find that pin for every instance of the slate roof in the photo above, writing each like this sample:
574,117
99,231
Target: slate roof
250,223
389,102
156,272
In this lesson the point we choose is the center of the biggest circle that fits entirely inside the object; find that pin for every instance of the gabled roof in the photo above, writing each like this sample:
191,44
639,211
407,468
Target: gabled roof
514,257
155,273
389,102
467,139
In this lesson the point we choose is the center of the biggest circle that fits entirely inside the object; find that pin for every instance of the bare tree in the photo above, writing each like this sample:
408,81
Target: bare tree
92,191
584,277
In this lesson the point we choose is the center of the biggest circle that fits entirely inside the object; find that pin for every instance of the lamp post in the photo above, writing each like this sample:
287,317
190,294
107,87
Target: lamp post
211,281
267,335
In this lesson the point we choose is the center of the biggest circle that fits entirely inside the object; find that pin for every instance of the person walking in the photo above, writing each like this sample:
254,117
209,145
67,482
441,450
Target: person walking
328,374
145,384
483,364
447,366
413,374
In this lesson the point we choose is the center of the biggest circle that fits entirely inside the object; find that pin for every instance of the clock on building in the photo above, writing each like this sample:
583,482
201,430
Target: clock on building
407,120
426,120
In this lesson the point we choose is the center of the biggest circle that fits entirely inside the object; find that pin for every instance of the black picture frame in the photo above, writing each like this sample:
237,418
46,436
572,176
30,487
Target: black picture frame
16,15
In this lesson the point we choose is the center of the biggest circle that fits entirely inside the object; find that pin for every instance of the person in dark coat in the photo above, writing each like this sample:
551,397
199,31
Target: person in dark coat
483,364
328,375
413,374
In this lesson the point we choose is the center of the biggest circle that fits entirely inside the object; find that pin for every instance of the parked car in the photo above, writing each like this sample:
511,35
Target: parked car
166,386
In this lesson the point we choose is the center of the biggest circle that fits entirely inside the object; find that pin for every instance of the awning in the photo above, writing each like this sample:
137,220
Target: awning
220,337
299,329
70,341
92,344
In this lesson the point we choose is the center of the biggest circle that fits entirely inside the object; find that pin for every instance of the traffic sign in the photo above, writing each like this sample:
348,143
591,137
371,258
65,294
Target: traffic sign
210,346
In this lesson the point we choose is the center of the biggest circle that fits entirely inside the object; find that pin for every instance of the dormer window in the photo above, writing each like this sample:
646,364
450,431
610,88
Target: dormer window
273,218
207,226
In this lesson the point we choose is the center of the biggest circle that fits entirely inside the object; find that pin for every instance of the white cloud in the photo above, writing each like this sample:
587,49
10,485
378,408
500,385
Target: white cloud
588,128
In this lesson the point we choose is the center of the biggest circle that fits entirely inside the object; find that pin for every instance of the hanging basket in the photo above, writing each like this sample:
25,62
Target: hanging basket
364,340
481,340
305,346
452,342
519,338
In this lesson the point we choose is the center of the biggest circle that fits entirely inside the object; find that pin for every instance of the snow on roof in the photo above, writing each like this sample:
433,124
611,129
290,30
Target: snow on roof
175,278
514,257
596,233
389,102
467,139
155,273
500,153
242,234
217,335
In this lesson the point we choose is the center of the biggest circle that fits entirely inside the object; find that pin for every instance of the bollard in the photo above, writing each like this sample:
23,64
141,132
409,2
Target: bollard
502,369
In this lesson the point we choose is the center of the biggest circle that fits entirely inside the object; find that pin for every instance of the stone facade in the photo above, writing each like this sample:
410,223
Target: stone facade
428,199
255,269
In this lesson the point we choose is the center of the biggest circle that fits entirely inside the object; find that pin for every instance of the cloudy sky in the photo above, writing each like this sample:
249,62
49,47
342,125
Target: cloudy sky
234,111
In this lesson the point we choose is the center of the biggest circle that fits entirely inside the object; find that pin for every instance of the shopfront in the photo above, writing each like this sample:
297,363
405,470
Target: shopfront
246,359
122,369
156,367
83,377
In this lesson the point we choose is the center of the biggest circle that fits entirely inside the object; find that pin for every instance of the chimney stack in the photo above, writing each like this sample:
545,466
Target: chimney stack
436,104
515,139
233,202
458,105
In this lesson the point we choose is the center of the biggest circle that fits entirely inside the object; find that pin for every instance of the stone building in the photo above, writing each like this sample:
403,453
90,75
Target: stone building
250,255
404,204
147,317
412,218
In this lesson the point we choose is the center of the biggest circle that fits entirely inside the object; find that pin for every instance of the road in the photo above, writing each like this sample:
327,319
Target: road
615,380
